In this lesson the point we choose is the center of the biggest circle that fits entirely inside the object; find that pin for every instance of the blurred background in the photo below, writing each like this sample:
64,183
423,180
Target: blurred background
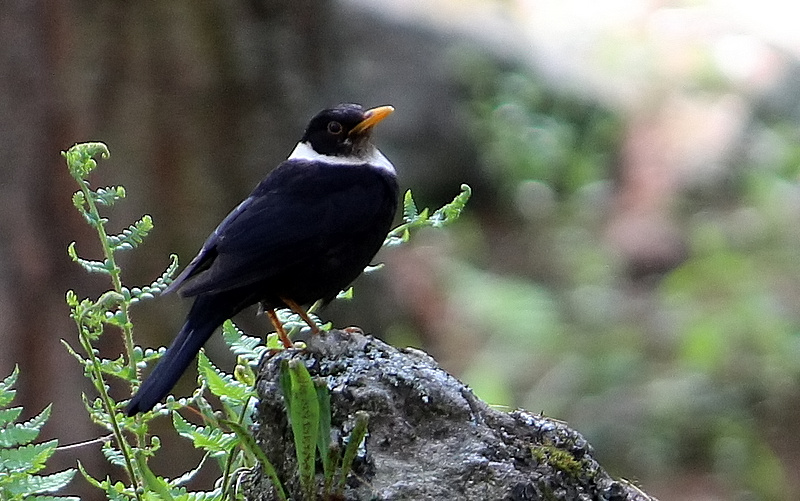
630,261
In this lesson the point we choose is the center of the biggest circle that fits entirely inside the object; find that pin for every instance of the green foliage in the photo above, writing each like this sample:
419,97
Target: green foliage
111,309
308,408
413,218
353,443
302,408
21,460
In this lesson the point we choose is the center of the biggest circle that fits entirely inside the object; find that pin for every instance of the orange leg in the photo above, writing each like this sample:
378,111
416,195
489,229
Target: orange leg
300,311
287,343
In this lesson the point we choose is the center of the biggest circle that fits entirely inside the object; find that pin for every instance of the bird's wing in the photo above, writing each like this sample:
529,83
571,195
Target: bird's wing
299,205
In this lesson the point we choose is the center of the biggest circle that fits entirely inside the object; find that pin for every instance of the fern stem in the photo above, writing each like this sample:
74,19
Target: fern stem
113,270
226,475
100,385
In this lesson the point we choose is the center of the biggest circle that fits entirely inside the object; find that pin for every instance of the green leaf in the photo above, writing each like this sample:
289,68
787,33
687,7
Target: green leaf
250,444
9,415
107,196
7,394
38,484
24,433
304,418
244,373
410,212
293,323
247,347
188,476
79,201
52,498
353,443
28,459
113,455
162,282
92,481
415,219
208,438
117,368
452,211
221,384
131,236
152,482
88,265
324,434
80,158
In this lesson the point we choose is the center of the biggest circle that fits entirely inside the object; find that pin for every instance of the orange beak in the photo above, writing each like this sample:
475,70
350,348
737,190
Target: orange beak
371,118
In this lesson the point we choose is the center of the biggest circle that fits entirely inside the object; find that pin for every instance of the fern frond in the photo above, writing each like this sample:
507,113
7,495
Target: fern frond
23,433
109,195
415,219
208,438
88,265
113,455
247,347
131,236
80,158
28,486
9,415
409,207
451,211
7,393
223,385
28,458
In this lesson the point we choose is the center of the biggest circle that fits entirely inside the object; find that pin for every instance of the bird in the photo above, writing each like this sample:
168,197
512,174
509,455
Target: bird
304,234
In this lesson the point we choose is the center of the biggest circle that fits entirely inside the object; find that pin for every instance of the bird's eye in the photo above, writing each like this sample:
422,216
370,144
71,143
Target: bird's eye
334,127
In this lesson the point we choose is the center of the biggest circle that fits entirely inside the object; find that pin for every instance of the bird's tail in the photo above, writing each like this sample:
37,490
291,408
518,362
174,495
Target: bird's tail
203,319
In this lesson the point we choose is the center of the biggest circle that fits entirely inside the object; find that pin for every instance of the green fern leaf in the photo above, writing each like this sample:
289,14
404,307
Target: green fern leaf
158,285
294,323
79,201
80,158
33,484
109,195
131,236
248,347
113,455
7,393
451,211
415,219
409,207
221,384
182,495
23,433
208,438
118,367
52,498
88,265
9,415
27,459
304,418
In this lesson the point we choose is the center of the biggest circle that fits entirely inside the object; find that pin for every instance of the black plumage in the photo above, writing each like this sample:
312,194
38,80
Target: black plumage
304,233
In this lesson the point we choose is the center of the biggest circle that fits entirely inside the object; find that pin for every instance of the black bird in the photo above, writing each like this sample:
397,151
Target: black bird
304,233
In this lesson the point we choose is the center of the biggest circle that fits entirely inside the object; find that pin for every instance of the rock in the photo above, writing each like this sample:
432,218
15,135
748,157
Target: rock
429,437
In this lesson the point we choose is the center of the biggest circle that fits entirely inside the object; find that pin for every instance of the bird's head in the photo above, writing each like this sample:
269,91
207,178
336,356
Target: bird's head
344,130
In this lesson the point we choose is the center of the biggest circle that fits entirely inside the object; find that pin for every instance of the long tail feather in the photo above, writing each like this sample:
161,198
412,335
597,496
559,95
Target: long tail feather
203,319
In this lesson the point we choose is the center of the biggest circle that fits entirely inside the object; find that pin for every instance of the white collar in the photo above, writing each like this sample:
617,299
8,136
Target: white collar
304,151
